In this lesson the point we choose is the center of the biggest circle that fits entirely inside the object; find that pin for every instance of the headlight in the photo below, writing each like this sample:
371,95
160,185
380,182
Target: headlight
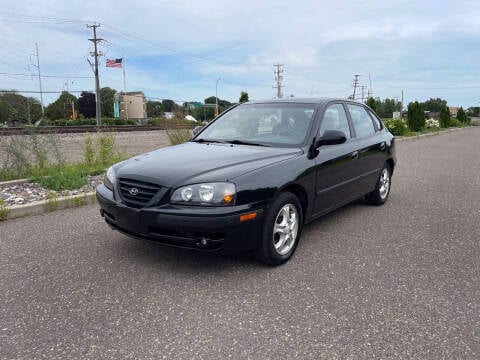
215,194
109,178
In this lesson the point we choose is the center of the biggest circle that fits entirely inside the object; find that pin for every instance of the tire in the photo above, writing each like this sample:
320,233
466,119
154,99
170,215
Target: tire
276,247
382,188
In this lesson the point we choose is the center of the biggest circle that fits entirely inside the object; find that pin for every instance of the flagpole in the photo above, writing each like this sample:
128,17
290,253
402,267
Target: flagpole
124,87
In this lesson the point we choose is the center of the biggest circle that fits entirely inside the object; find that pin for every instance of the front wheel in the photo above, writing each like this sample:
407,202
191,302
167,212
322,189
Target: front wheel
281,230
382,189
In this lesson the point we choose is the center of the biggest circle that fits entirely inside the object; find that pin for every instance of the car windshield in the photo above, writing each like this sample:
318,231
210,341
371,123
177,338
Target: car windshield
278,124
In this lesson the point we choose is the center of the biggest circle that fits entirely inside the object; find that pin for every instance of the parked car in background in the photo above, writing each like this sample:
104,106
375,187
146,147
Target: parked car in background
253,177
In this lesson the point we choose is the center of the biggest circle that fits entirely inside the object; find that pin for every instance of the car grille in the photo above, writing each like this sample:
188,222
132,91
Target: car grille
144,193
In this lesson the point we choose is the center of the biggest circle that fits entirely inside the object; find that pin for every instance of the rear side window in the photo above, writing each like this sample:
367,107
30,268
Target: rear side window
335,119
376,120
362,122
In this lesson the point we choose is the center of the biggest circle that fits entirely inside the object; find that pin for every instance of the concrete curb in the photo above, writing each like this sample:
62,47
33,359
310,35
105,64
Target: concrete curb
14,182
43,206
416,137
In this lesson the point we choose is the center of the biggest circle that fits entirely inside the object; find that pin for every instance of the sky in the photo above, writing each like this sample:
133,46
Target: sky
179,49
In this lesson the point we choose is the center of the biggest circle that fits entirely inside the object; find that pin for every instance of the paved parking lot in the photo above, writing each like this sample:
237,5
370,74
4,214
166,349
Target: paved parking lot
398,281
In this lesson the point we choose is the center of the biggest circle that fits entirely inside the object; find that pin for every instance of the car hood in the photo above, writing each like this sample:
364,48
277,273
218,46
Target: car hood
192,163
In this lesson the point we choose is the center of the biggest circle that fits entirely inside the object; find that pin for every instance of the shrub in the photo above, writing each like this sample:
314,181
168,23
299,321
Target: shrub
462,117
88,151
178,136
444,117
105,144
416,116
455,123
396,126
27,152
432,124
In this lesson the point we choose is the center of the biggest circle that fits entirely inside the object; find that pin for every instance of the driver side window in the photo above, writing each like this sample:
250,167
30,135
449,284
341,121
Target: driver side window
335,118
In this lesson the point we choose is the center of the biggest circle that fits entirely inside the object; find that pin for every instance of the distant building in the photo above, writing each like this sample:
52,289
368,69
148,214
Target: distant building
131,105
453,111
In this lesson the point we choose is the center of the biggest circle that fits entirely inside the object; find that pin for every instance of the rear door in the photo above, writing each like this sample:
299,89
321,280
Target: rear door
369,146
335,175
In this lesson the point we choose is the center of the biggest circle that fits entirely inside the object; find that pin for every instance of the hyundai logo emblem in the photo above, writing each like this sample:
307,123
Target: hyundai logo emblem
133,191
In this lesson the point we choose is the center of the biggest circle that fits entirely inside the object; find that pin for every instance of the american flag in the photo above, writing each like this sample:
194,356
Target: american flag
114,63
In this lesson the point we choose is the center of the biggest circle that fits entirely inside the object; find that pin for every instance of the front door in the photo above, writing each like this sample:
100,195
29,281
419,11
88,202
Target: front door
335,173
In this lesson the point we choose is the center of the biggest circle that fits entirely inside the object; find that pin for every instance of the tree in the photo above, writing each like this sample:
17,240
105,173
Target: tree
6,111
154,109
444,117
462,116
473,111
435,105
243,97
416,116
86,104
169,105
62,107
372,104
221,103
24,109
387,107
107,96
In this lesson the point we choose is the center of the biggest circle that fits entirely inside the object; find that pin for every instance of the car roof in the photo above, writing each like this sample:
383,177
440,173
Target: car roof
316,101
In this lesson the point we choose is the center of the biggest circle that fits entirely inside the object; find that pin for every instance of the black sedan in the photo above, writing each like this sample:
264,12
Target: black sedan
253,177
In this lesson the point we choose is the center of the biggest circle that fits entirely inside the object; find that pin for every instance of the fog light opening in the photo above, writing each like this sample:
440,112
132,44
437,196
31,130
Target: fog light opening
203,242
249,216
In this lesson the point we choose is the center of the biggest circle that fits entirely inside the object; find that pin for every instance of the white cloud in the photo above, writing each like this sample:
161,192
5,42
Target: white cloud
321,45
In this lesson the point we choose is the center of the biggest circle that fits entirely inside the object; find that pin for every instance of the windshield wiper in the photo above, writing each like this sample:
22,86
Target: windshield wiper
207,141
242,142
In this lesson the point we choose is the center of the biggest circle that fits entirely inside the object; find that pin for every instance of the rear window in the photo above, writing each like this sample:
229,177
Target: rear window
362,122
376,120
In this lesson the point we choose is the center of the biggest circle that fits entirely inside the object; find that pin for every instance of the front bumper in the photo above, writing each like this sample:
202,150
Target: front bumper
201,228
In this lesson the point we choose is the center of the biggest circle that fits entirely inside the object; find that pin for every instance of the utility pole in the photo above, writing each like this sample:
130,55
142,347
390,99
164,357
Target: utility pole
278,79
96,54
216,97
370,92
355,85
40,80
363,87
401,109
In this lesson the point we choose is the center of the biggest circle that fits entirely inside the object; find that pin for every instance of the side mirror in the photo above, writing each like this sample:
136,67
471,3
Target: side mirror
331,137
197,129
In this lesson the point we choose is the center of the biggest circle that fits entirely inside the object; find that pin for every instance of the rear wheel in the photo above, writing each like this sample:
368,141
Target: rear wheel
382,189
281,230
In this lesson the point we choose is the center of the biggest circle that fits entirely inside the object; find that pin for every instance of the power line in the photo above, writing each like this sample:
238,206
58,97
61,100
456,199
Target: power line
429,88
14,17
49,76
134,38
44,91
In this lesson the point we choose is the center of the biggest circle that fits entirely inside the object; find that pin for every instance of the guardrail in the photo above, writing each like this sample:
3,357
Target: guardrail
88,128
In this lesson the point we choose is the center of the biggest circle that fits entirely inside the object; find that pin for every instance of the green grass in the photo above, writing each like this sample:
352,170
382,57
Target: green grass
29,159
60,177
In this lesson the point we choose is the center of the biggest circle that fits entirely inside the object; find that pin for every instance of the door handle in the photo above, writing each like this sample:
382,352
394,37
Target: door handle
355,155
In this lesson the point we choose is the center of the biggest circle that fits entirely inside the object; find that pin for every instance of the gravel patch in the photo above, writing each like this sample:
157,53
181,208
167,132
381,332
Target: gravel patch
19,194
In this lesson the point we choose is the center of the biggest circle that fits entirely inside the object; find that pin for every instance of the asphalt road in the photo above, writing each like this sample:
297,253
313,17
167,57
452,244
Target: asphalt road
398,281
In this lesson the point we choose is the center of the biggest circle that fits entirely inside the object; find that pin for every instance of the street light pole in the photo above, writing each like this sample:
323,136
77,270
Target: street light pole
216,98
